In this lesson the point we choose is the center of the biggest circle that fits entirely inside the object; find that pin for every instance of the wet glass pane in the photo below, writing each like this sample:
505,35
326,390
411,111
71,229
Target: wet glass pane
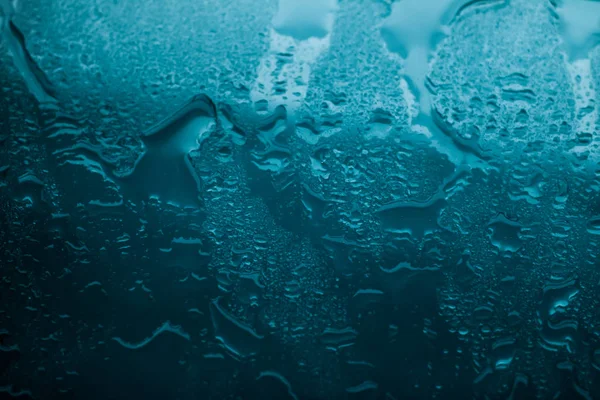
299,199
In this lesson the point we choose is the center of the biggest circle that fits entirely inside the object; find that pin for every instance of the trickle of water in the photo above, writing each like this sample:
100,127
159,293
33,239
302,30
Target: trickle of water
580,26
35,79
237,338
415,42
300,33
